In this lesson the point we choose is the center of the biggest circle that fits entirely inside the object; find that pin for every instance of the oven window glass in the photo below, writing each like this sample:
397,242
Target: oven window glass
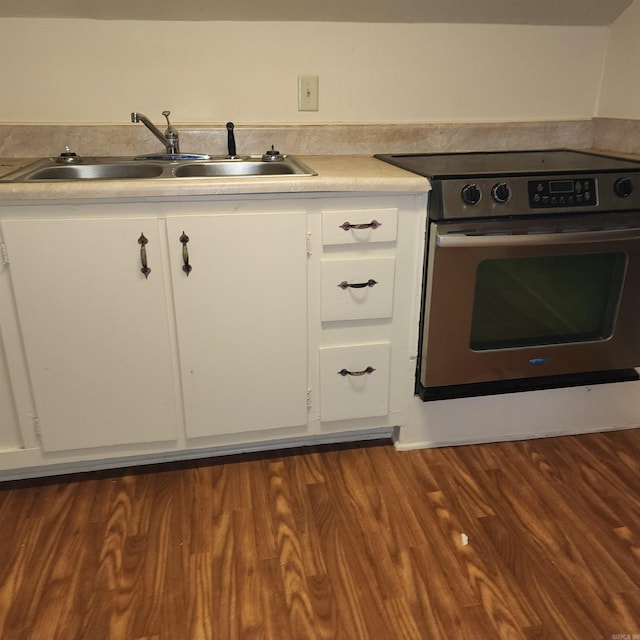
522,302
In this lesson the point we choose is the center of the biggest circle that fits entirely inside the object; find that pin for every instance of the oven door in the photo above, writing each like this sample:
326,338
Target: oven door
513,300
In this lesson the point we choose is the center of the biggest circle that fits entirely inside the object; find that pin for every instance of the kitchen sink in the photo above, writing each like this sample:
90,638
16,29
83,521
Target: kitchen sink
115,168
249,167
115,171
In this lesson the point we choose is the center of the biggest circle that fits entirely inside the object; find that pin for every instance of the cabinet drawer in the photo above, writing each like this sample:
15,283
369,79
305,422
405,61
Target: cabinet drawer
360,226
357,289
354,381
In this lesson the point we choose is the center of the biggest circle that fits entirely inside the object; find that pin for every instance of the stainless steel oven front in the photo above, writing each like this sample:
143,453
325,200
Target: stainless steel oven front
523,299
532,274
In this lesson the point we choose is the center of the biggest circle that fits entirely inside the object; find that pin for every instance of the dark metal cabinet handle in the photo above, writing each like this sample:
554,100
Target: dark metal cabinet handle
357,285
374,224
346,372
142,241
186,267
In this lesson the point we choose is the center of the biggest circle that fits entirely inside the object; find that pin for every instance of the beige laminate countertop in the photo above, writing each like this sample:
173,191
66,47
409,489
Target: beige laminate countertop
335,173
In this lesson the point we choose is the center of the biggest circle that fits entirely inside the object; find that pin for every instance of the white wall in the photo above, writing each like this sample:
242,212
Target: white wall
620,94
80,71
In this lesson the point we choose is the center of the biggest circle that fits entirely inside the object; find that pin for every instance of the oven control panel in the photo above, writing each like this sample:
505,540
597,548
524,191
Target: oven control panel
572,192
502,196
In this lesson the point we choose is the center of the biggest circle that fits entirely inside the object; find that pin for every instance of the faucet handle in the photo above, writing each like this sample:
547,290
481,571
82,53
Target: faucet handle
231,141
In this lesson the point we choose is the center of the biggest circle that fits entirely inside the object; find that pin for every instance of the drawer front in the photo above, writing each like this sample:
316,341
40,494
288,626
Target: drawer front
357,289
354,381
360,226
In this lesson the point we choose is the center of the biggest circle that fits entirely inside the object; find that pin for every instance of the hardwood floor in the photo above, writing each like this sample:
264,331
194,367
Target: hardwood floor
346,543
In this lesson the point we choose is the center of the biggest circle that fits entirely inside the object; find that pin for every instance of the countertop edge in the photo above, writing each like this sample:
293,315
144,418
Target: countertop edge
348,173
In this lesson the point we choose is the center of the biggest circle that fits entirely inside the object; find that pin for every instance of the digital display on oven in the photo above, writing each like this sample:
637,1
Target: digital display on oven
561,186
554,194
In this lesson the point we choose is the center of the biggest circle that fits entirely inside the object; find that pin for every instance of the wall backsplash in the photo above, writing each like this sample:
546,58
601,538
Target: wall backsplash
25,140
617,134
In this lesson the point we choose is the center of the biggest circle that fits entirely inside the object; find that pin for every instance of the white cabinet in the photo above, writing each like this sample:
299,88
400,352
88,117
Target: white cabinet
95,330
357,285
370,274
246,331
241,317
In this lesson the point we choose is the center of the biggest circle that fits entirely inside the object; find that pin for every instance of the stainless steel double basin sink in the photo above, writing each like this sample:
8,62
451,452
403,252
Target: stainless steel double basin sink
118,168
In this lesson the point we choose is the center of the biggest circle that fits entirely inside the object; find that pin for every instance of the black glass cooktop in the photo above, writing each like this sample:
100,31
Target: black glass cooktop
494,163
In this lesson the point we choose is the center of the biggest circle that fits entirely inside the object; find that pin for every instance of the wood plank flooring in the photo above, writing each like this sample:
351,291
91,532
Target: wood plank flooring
346,543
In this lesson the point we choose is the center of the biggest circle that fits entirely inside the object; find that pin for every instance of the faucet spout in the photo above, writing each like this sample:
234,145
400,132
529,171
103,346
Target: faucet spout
169,138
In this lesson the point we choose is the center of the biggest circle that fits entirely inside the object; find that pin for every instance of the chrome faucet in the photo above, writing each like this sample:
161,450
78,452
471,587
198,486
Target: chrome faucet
170,137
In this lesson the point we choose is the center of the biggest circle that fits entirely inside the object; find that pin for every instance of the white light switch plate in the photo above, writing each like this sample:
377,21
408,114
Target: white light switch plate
308,93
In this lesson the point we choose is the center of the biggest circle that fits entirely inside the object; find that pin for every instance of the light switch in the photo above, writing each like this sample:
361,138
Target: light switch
308,93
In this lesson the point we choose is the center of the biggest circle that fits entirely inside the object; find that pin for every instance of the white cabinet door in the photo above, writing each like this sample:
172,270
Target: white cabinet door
241,316
95,330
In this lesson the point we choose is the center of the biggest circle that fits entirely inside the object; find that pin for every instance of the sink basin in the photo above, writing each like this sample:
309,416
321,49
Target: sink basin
115,168
94,172
229,168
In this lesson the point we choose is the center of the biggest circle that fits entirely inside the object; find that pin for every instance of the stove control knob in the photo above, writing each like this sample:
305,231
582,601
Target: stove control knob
501,192
471,194
623,187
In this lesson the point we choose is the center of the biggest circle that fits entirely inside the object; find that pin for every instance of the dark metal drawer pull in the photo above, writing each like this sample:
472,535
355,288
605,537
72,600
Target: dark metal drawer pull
142,241
357,285
346,372
374,224
186,267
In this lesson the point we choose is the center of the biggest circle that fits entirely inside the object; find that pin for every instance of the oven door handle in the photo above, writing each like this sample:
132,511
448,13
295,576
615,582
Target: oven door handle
535,239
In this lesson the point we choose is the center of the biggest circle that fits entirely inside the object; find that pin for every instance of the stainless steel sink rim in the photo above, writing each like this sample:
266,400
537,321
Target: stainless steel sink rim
127,168
173,157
